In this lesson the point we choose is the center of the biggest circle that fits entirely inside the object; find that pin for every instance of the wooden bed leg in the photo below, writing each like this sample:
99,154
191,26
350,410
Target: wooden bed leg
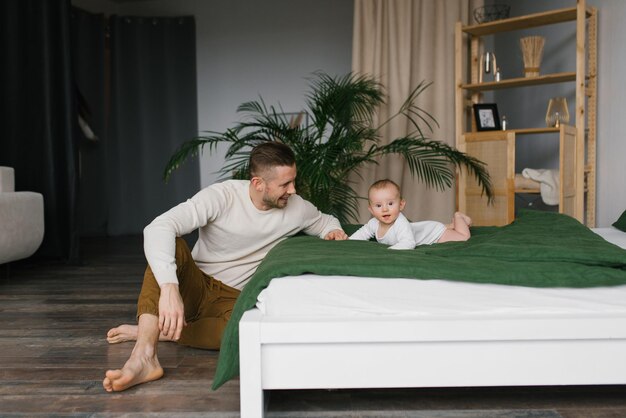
251,389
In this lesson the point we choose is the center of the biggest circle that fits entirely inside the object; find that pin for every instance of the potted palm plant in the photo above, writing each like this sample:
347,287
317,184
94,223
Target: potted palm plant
337,140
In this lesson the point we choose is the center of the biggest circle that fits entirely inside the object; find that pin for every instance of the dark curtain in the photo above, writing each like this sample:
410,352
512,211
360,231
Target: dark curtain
39,124
89,63
153,110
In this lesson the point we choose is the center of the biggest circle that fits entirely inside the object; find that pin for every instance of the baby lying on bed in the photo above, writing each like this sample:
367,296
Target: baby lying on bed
391,227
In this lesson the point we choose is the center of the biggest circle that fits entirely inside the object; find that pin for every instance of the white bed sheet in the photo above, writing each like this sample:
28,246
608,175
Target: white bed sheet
344,296
612,235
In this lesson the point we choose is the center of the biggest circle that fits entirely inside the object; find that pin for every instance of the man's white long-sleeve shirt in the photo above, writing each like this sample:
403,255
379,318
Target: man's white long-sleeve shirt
234,235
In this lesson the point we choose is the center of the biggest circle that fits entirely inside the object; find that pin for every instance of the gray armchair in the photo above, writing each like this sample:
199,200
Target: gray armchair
21,219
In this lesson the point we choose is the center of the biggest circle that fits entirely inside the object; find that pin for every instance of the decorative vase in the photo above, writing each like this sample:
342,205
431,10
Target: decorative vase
532,52
488,65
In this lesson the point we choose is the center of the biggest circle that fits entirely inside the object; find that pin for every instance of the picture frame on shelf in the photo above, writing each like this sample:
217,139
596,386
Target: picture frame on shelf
487,117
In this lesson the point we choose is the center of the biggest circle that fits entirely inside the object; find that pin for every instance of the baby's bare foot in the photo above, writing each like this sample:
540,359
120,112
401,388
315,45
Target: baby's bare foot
464,217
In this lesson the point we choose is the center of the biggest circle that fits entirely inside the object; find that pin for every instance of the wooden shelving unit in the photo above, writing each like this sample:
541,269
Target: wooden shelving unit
577,146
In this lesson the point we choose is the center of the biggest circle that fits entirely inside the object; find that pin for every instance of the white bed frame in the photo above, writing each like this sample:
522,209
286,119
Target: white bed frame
284,353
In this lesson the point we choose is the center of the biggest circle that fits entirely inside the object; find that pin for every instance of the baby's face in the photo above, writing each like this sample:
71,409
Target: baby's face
385,204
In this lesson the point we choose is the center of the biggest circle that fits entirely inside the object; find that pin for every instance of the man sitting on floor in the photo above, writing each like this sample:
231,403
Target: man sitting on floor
239,221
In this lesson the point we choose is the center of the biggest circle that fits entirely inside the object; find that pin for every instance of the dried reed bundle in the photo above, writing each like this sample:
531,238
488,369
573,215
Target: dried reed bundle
532,51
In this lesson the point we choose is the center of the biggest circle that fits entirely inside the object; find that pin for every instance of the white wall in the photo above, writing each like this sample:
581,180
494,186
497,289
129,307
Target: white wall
611,110
559,55
247,48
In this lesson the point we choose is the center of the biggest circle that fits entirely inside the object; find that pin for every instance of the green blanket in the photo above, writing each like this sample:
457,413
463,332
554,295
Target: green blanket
539,249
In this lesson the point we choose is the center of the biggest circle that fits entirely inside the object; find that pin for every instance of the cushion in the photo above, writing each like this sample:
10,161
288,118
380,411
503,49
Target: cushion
621,222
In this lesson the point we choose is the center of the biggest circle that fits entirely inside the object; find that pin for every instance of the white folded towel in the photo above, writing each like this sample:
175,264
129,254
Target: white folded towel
548,183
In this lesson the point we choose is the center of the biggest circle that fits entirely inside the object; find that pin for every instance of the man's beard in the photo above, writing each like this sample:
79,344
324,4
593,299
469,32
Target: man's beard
277,203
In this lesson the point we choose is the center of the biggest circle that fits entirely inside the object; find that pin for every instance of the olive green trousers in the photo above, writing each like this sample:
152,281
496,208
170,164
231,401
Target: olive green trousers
208,302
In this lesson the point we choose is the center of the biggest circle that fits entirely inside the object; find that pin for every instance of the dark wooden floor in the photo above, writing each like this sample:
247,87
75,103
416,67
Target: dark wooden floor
53,319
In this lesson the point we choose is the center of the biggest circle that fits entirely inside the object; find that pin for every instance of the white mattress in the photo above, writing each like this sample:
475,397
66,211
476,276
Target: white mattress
316,296
612,235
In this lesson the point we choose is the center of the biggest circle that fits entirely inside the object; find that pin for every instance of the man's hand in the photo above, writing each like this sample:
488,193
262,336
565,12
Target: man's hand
171,312
336,235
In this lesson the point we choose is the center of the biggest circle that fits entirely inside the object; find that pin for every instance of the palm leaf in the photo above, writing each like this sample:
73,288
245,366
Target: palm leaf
434,162
188,149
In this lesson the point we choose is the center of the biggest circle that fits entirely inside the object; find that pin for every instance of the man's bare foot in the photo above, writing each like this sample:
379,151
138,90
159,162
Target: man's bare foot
122,334
127,332
138,369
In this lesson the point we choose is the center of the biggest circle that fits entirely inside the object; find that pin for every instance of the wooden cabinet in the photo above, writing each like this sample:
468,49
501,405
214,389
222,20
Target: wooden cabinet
497,150
577,143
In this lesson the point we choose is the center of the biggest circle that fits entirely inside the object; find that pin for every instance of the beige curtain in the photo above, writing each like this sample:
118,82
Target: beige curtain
402,42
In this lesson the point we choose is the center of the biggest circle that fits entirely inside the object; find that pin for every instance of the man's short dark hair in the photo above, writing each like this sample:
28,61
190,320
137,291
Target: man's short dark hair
269,155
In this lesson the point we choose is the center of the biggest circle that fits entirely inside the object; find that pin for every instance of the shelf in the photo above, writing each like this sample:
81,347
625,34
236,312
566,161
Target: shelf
523,22
531,131
521,82
527,191
501,135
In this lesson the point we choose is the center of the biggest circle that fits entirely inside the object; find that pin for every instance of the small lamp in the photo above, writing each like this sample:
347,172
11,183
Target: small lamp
557,112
